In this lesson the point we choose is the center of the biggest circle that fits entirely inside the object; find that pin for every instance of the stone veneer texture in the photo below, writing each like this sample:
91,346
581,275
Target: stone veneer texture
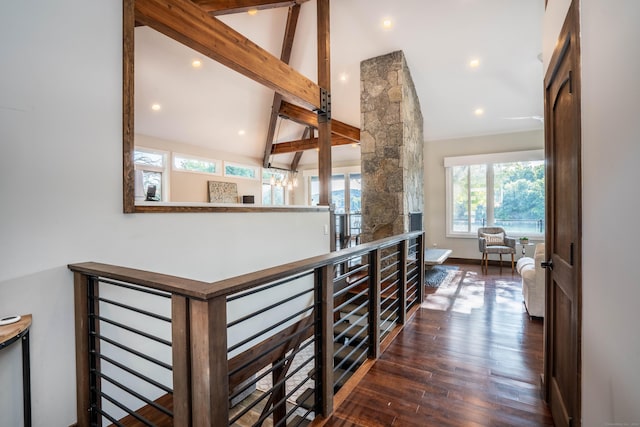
391,141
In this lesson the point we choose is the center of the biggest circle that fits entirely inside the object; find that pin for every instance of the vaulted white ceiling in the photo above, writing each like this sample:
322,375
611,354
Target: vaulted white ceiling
210,105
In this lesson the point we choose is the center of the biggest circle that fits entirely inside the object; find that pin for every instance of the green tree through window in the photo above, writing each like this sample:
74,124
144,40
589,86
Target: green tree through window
509,194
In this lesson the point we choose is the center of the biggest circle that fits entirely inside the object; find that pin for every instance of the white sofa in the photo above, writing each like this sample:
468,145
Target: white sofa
533,288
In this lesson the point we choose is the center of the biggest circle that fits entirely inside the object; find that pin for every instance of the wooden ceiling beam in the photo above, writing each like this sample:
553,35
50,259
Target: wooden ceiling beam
285,55
190,25
309,118
306,144
226,7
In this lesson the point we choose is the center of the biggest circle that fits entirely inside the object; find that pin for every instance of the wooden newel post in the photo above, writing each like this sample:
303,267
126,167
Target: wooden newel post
209,366
374,303
180,347
420,257
324,283
402,281
83,394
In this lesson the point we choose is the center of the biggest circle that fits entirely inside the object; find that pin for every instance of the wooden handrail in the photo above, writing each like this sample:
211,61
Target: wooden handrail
162,282
207,290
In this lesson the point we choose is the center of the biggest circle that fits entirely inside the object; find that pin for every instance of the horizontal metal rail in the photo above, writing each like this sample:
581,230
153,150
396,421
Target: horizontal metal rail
134,330
269,328
267,351
134,393
268,286
135,373
133,351
135,309
267,308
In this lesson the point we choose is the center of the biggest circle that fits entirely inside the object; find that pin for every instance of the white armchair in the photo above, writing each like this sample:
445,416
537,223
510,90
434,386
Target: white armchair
533,281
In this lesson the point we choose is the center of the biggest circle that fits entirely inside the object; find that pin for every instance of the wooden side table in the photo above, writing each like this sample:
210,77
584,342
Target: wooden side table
19,331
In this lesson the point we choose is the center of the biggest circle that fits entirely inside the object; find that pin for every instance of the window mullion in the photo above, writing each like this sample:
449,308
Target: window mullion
490,195
347,193
468,199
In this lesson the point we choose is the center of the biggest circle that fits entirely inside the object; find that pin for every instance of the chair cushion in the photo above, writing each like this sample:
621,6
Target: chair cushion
499,250
494,239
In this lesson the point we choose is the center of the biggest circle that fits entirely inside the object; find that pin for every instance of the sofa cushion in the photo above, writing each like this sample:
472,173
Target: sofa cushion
494,239
533,282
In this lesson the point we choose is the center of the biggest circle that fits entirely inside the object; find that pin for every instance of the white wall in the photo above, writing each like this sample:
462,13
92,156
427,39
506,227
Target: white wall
60,186
434,181
610,154
552,22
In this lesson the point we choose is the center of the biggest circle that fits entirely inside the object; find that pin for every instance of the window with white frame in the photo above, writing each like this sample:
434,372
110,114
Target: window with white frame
346,194
187,163
241,171
274,184
150,170
502,189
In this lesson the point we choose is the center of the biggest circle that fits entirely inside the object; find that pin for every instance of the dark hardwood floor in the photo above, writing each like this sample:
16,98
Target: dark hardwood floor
471,356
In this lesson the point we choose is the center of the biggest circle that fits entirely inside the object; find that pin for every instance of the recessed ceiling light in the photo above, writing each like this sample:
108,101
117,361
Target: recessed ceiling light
474,63
478,111
344,77
156,107
196,63
241,132
387,24
354,145
252,11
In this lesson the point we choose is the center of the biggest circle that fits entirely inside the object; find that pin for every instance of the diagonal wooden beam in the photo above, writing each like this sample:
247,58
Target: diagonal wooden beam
285,55
306,144
226,7
190,25
309,118
296,160
307,134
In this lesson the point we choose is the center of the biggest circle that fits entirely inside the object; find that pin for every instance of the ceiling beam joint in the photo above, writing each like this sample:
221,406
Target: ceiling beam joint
324,113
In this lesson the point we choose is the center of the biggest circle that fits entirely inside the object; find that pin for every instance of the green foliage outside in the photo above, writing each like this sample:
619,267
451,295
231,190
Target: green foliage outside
522,191
196,165
519,195
231,170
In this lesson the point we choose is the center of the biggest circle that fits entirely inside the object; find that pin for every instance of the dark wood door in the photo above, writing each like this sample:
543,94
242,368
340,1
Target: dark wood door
563,231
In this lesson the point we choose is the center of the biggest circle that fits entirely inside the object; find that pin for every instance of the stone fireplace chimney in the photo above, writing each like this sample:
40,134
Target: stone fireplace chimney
391,140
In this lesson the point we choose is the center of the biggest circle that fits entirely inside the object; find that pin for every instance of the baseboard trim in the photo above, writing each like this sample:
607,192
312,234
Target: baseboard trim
466,261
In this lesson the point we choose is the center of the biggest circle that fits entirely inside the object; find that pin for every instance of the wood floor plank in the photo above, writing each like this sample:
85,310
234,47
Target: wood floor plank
471,356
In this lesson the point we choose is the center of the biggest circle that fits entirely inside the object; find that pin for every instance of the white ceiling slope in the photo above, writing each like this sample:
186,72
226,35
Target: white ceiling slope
210,105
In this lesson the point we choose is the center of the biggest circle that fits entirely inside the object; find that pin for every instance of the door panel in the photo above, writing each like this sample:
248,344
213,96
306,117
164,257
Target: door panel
563,233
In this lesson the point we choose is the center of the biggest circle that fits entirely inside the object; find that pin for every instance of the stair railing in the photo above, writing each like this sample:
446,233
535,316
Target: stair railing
279,344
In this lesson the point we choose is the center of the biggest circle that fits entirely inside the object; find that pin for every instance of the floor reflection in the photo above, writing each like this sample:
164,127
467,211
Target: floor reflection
464,291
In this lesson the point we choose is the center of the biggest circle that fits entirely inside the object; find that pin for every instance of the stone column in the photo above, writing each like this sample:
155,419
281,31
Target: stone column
391,140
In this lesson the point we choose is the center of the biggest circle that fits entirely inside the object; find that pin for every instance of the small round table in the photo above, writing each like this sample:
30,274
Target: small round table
524,247
19,331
